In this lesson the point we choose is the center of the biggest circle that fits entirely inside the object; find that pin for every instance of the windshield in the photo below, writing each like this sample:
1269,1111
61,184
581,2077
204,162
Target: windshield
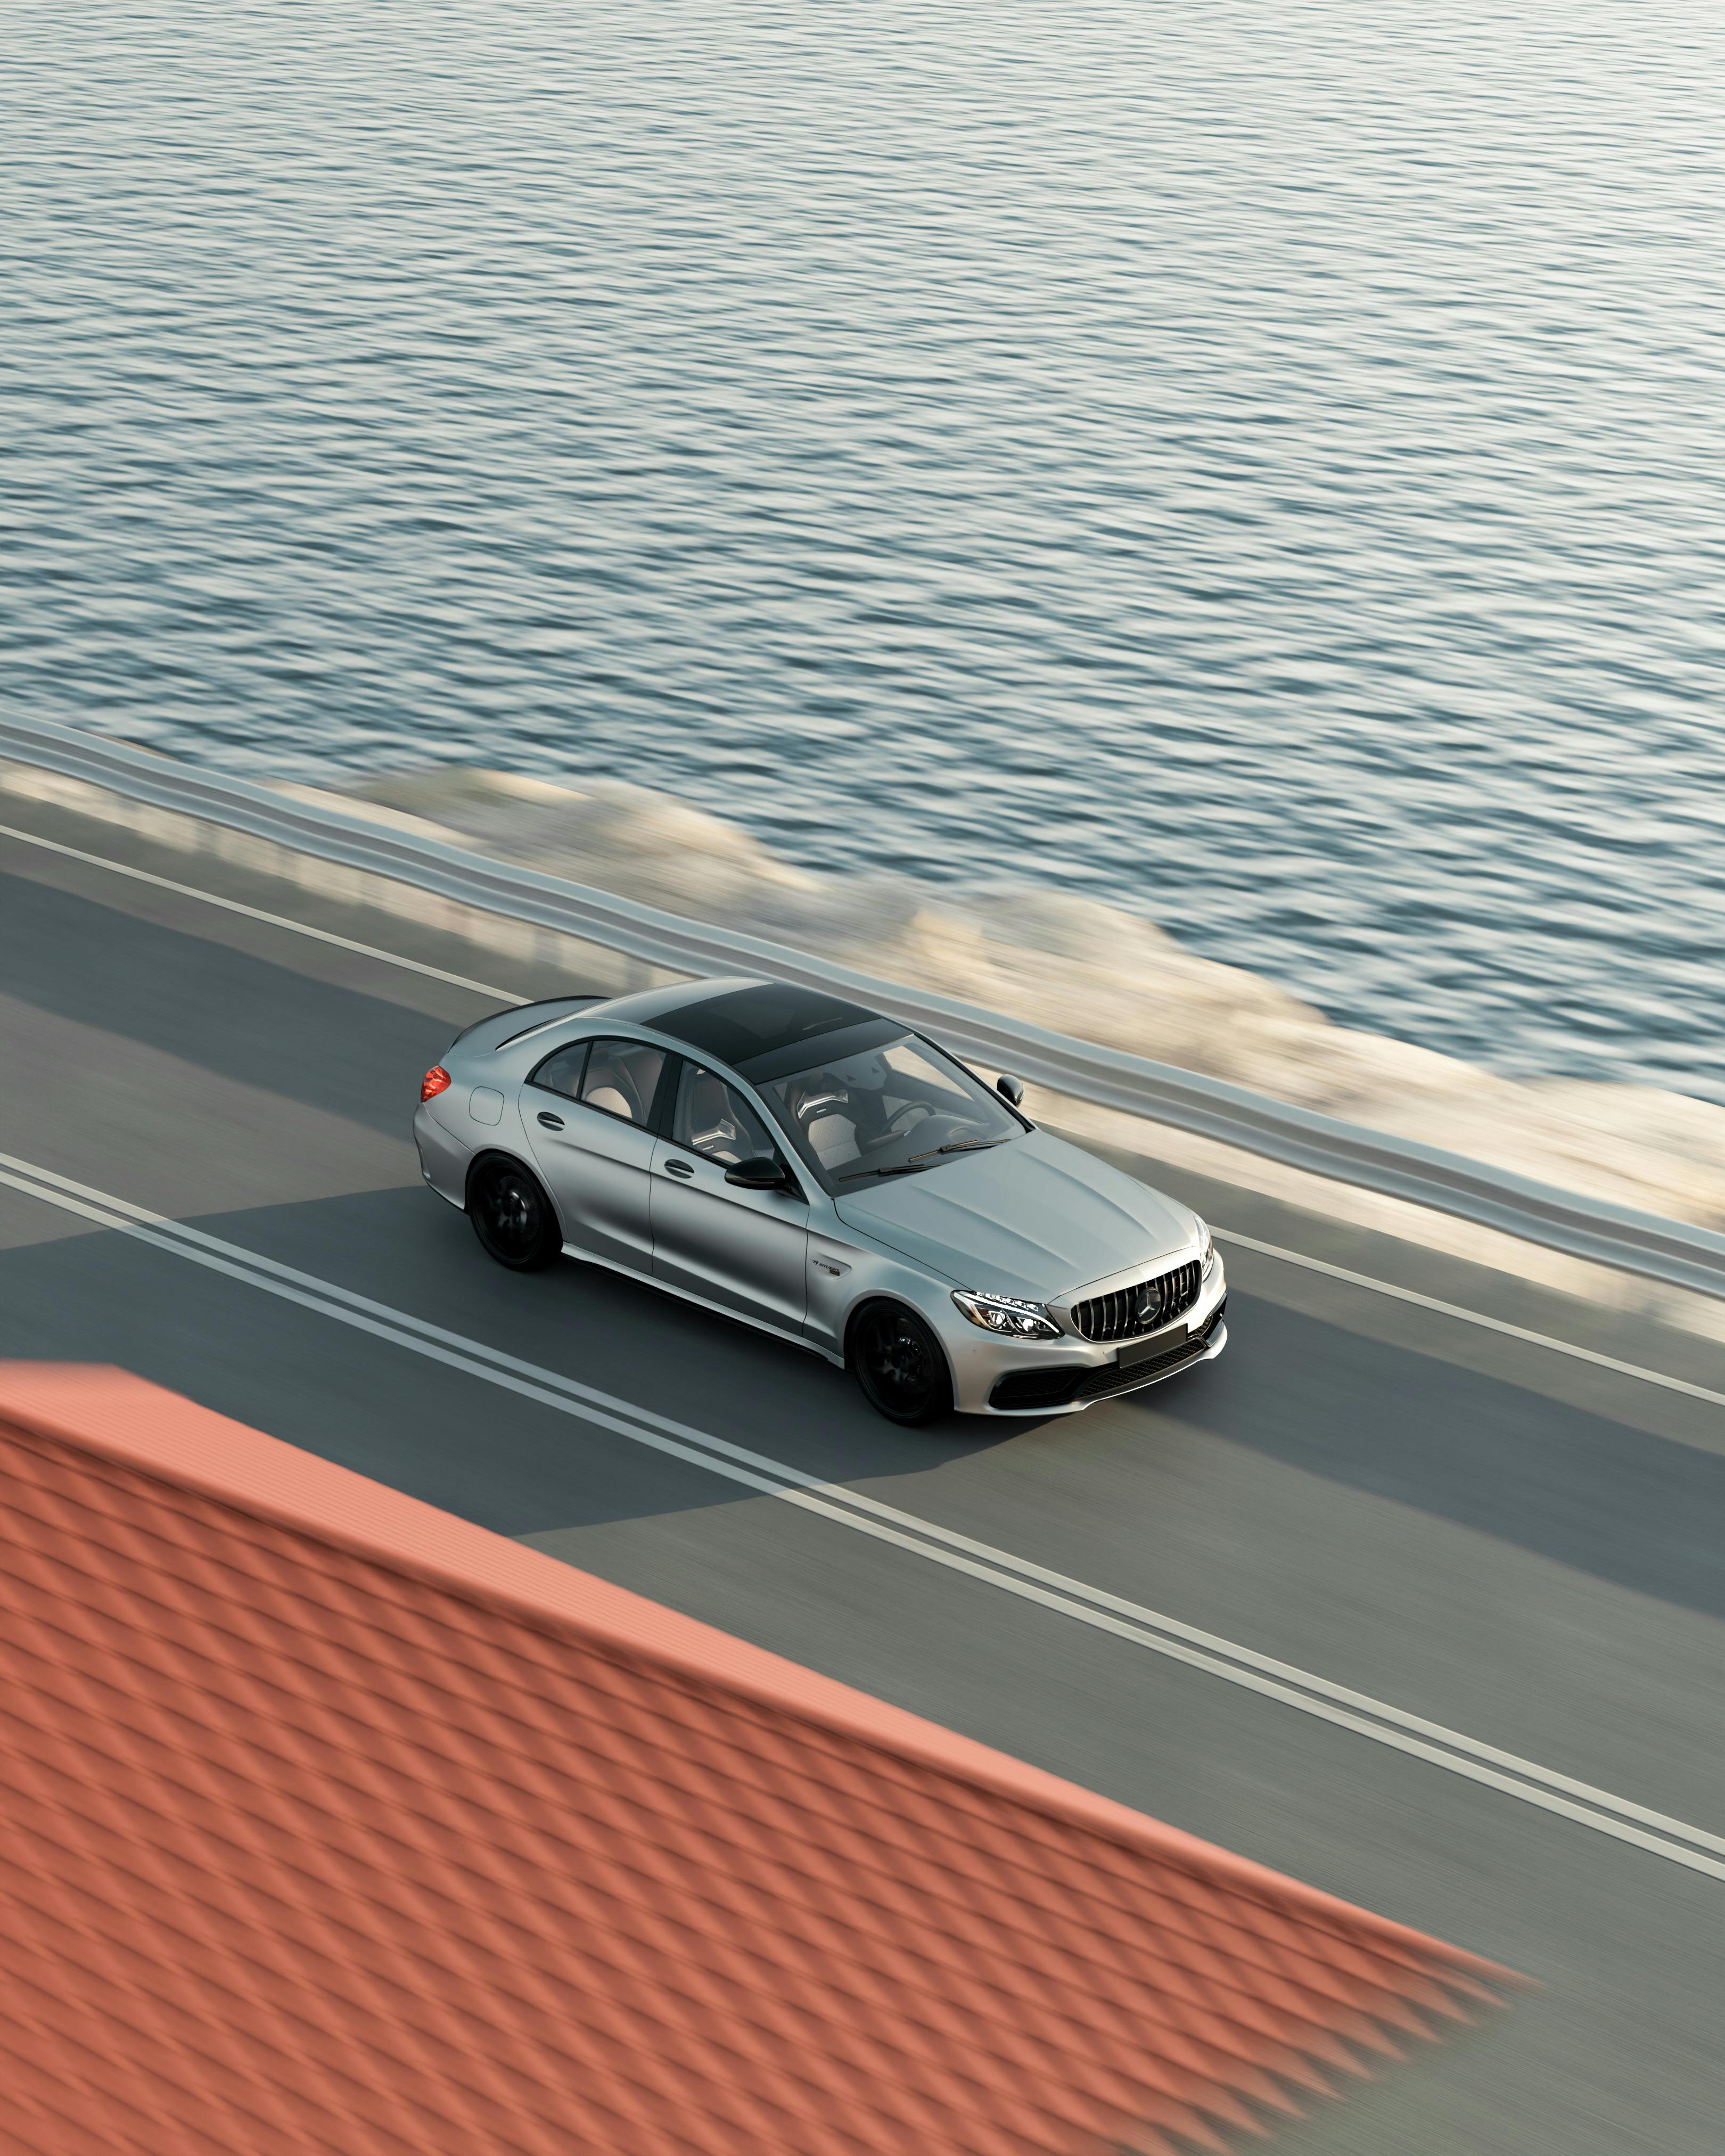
893,1110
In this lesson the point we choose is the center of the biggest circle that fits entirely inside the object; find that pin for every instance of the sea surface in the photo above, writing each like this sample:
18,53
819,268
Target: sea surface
1259,462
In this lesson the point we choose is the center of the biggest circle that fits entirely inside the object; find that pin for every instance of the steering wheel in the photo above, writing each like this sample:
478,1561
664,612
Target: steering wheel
919,1108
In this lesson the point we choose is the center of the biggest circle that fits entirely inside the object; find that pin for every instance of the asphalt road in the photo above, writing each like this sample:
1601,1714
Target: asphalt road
1474,1532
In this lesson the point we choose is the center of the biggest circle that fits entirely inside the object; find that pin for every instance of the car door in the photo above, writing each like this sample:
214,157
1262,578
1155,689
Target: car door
588,1113
746,1250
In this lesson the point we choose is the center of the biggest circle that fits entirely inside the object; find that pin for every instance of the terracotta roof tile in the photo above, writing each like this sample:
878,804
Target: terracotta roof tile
338,1824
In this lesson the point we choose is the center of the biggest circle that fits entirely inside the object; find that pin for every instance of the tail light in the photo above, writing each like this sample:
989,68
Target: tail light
436,1081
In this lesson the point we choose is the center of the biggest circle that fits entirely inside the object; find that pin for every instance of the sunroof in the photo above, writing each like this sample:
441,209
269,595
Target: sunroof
756,1021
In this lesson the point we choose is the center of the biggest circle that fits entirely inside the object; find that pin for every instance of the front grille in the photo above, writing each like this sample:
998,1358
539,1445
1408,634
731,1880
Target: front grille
1129,1313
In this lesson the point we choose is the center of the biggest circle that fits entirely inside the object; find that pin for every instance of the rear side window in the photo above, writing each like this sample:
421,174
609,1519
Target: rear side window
621,1078
561,1073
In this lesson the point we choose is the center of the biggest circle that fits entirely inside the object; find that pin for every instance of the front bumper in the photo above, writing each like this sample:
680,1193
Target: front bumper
1046,1392
1043,1378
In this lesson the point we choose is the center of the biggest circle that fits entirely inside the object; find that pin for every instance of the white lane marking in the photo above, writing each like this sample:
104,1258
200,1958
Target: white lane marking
1223,1234
315,1292
1597,1808
1473,1318
256,913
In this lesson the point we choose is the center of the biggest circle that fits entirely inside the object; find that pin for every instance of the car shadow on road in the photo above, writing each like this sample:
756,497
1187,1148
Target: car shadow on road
1583,1489
390,1408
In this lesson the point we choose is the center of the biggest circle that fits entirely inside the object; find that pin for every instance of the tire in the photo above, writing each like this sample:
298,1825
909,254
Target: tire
900,1365
512,1216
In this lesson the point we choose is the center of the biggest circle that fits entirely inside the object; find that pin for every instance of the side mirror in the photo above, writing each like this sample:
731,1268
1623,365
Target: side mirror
1013,1088
762,1173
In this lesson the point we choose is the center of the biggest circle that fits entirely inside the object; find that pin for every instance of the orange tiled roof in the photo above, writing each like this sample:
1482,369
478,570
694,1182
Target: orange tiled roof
335,1824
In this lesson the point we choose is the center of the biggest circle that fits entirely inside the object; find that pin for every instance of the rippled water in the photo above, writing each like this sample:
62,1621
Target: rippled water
1258,462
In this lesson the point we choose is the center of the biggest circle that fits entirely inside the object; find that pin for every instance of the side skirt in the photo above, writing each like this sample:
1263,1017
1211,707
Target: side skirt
702,1302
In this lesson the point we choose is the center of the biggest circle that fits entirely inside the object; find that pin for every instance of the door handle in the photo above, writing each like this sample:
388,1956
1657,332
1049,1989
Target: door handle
679,1168
551,1122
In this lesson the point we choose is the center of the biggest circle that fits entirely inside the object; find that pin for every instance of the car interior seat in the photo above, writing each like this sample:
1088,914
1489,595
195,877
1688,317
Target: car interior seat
711,1126
611,1086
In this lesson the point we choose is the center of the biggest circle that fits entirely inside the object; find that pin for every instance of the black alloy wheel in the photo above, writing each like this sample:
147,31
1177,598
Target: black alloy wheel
900,1365
512,1215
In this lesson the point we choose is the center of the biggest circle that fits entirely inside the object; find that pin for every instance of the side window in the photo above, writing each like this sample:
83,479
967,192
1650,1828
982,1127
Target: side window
561,1072
622,1077
714,1120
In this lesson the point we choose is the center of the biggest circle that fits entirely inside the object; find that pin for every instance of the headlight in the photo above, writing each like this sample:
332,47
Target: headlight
1006,1314
1209,1242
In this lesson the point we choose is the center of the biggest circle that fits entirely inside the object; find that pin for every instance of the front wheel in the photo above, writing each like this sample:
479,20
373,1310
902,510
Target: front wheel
900,1366
514,1219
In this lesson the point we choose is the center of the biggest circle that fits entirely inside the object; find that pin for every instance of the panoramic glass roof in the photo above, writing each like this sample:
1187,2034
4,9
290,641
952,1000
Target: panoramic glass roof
759,1020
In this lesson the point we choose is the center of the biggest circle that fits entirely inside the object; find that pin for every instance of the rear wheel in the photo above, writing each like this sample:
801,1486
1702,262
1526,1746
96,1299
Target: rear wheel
512,1215
900,1365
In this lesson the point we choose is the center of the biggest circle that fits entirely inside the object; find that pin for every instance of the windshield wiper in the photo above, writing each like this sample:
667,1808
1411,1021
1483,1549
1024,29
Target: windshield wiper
914,1166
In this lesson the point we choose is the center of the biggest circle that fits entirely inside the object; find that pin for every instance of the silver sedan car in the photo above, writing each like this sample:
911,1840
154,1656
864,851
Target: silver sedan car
828,1175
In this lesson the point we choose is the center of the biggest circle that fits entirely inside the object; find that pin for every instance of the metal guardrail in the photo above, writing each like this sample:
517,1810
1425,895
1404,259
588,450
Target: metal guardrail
1592,1228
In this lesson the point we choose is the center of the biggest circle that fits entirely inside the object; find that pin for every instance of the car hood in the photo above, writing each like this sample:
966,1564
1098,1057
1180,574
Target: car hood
1035,1218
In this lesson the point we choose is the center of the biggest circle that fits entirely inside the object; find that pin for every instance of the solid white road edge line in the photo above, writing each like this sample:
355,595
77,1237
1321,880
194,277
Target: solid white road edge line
256,913
1598,1808
1470,1316
1224,1234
